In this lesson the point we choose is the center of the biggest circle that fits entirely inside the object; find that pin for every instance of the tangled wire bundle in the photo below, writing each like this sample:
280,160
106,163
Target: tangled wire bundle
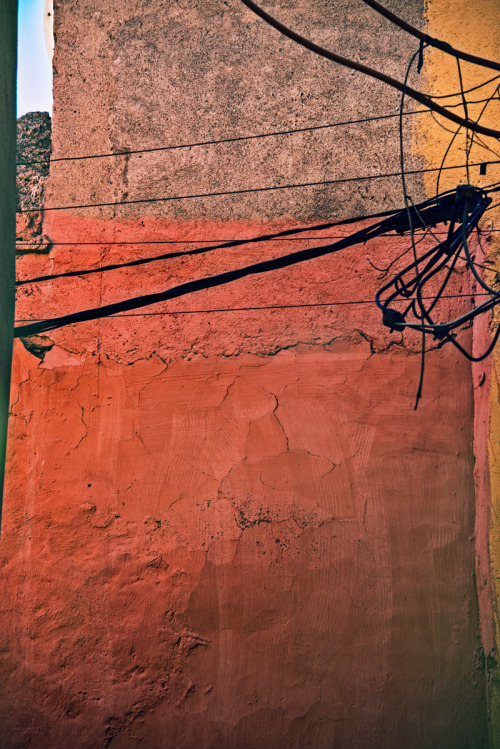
411,285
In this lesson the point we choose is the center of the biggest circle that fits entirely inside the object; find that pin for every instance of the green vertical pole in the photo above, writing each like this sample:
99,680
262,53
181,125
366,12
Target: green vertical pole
8,60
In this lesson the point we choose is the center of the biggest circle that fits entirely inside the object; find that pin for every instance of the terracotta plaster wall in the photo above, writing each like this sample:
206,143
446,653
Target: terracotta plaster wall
230,528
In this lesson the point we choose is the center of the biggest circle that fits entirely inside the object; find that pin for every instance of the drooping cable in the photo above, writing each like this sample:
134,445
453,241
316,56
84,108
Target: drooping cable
417,95
430,40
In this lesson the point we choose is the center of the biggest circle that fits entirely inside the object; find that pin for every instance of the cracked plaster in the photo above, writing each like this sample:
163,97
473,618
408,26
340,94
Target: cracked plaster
243,550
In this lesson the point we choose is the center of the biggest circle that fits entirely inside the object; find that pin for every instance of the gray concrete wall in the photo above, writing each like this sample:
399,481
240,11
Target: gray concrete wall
131,75
8,34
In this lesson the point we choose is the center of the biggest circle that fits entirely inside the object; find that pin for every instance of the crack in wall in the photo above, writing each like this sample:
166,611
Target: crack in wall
280,424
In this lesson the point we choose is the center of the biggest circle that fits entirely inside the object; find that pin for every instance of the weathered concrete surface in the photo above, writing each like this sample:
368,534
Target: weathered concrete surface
141,75
237,530
8,55
33,154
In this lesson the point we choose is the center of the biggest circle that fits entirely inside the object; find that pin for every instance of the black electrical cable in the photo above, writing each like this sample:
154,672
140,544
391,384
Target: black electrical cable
431,257
282,236
429,40
417,95
492,206
410,282
193,286
140,261
436,259
432,209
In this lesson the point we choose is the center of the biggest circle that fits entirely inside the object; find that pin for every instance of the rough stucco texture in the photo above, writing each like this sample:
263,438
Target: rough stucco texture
33,153
225,553
475,32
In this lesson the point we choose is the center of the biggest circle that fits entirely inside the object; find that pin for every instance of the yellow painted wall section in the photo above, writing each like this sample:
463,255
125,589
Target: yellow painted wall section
473,27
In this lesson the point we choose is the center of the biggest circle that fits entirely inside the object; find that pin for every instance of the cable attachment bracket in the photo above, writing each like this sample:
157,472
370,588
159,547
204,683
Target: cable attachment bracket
393,319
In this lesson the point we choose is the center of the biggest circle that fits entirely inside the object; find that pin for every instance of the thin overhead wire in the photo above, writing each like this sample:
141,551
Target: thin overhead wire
219,141
212,310
248,190
234,139
80,272
283,236
28,247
